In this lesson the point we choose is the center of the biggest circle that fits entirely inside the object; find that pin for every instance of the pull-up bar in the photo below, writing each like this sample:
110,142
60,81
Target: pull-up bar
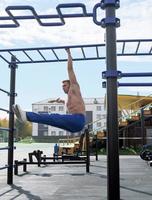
99,52
39,18
141,74
134,84
59,14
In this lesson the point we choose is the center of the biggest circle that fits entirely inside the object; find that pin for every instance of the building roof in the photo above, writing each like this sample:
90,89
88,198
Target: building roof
133,102
91,100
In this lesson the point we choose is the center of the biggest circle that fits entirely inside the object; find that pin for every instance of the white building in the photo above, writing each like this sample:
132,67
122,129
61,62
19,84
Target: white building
95,114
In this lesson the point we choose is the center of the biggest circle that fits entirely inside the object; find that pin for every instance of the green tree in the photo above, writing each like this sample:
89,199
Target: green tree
3,133
4,122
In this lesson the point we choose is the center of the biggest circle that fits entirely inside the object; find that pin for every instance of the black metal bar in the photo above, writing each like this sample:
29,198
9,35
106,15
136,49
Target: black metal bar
2,109
140,74
4,129
24,50
123,48
13,55
83,52
5,167
53,16
52,48
142,126
137,47
75,46
24,165
97,51
39,157
58,60
55,54
4,148
135,40
41,55
8,93
27,55
61,163
63,157
5,59
113,181
87,150
16,167
134,54
96,149
77,59
11,120
134,84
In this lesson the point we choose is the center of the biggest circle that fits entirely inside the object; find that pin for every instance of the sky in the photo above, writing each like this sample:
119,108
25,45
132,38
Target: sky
36,82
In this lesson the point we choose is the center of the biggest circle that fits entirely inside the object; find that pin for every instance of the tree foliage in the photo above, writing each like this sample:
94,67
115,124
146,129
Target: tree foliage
22,130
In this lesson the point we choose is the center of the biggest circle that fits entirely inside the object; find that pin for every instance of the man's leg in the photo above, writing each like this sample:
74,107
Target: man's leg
69,122
72,123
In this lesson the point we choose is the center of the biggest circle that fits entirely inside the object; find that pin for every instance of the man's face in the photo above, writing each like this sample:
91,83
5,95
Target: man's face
66,87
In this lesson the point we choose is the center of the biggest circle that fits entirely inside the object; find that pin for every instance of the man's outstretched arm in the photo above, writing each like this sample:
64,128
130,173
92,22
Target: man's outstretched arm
57,101
71,73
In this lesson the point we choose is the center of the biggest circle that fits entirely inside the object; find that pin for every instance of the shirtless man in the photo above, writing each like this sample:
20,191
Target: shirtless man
74,120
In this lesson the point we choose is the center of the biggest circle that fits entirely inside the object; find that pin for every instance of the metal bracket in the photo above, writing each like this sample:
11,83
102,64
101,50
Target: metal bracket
13,95
13,64
109,21
105,3
111,74
105,21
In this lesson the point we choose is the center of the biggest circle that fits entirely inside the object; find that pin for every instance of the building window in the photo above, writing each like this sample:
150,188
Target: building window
46,108
98,108
61,108
45,133
98,116
104,116
45,126
60,133
95,101
35,110
53,133
53,108
98,124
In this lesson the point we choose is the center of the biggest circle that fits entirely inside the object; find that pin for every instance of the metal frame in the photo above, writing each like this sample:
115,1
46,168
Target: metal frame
110,22
11,129
82,49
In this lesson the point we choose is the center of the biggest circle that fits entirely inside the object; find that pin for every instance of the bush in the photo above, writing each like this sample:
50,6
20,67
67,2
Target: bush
27,140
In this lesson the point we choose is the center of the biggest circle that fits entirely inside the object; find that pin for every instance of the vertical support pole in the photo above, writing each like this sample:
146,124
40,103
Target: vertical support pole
87,150
142,126
113,181
16,167
13,67
96,150
39,157
24,165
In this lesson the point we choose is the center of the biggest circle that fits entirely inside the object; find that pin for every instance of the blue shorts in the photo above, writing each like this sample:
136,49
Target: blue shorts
69,122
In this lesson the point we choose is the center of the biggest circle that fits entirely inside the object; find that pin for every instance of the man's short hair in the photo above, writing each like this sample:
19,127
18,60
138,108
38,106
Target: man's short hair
68,81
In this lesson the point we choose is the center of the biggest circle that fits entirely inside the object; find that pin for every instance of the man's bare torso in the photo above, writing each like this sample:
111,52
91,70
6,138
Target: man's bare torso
75,103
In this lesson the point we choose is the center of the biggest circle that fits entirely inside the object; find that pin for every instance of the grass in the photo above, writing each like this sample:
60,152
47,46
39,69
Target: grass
27,140
123,151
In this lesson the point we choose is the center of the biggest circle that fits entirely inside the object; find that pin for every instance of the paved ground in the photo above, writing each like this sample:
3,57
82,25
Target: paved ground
70,182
